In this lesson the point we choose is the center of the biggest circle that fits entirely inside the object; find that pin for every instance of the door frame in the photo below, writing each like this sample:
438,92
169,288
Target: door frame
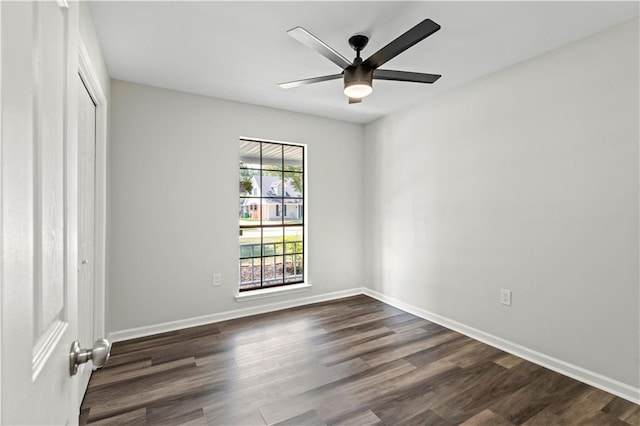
1,210
91,81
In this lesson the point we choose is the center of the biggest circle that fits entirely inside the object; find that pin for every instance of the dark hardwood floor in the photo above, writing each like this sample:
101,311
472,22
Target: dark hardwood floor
354,361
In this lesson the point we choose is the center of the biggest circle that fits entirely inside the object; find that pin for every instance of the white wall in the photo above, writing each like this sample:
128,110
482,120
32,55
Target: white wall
526,180
174,206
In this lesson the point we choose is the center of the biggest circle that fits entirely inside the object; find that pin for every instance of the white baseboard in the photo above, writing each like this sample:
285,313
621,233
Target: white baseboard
599,381
134,333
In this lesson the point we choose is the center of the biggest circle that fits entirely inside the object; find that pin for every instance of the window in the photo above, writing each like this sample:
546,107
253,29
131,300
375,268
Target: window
271,218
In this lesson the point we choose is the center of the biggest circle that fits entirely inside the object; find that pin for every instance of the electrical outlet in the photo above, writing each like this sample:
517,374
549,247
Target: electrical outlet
505,297
217,279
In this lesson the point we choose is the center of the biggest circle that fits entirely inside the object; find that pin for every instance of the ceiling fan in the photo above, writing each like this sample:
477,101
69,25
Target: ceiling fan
358,76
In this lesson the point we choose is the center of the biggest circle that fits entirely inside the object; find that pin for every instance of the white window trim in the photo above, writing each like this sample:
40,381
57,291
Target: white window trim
264,293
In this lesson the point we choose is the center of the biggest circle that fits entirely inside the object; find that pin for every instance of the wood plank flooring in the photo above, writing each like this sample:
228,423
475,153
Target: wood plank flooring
354,361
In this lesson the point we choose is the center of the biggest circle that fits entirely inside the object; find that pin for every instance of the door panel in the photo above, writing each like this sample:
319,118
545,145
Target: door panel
39,211
50,309
86,225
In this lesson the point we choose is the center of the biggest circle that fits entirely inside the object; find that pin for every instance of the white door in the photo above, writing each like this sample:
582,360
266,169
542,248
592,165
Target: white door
86,225
38,72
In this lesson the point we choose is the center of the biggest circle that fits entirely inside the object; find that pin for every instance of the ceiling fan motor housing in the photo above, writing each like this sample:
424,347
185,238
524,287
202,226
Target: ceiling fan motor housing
357,74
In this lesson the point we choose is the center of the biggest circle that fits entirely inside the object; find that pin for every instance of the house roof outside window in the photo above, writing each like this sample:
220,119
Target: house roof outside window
272,191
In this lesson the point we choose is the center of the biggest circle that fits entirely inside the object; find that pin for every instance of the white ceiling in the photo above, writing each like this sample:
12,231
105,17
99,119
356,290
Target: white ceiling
240,50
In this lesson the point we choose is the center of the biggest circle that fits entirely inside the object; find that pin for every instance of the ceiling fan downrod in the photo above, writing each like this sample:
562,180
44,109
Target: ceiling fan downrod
358,42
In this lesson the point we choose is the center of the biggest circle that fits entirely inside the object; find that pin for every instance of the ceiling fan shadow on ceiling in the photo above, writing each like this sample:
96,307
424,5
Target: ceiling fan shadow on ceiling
359,75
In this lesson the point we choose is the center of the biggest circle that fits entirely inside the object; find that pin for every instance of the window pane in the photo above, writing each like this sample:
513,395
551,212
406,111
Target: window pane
293,184
271,156
293,269
250,242
273,270
273,210
294,211
249,183
249,212
250,273
249,154
272,183
273,234
293,157
293,234
293,246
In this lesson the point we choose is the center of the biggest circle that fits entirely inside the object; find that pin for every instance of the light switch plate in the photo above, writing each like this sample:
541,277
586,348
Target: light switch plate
505,297
217,279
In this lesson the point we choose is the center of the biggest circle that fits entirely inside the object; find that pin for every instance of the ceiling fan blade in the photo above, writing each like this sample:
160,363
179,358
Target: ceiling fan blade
414,77
355,100
416,34
309,40
308,81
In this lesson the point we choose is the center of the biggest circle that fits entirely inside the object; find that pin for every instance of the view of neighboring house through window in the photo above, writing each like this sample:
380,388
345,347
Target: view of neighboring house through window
271,214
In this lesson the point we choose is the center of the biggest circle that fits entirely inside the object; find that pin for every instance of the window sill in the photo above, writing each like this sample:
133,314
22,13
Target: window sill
245,296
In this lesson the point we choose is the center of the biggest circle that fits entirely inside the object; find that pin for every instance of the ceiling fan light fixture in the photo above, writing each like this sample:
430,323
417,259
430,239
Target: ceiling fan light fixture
358,89
357,82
